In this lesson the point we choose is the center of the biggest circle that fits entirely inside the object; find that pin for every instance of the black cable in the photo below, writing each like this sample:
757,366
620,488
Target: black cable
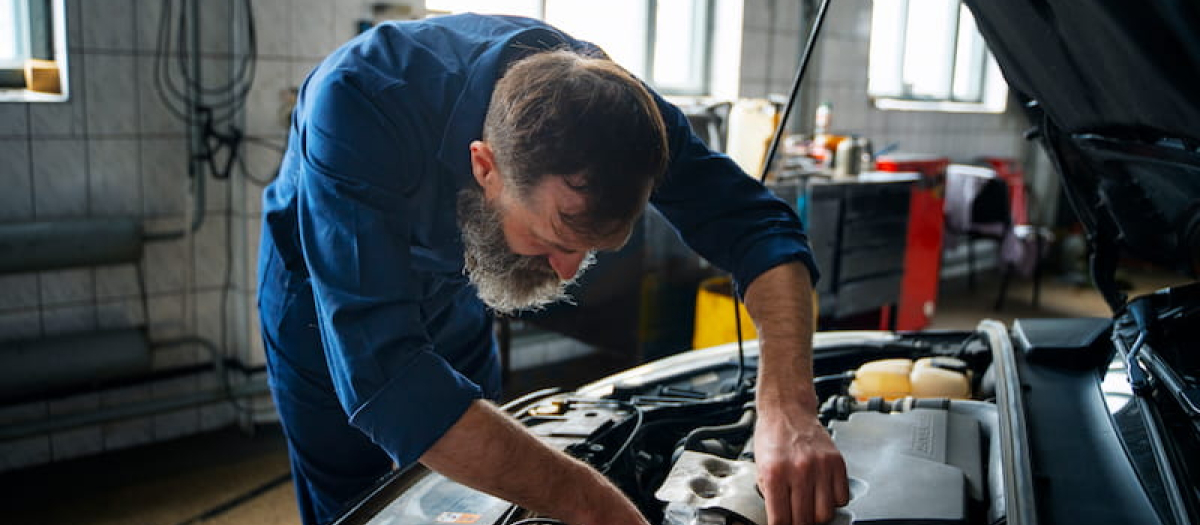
633,432
508,515
698,434
259,141
737,323
177,101
236,88
257,181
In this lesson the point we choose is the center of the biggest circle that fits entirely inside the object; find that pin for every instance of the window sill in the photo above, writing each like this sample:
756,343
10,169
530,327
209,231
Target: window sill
25,95
897,104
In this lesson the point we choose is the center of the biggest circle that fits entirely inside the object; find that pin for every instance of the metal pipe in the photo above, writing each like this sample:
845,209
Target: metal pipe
38,367
51,245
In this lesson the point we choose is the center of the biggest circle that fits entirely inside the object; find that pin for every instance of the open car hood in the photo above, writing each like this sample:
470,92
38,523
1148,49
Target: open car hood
1111,90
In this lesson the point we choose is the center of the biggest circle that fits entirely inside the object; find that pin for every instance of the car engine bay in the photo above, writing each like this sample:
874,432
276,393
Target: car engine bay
912,414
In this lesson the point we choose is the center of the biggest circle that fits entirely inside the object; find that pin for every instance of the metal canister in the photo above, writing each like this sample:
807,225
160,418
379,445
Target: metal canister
847,161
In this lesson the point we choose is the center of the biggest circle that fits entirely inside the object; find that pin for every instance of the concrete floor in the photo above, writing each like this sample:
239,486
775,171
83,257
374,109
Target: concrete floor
232,477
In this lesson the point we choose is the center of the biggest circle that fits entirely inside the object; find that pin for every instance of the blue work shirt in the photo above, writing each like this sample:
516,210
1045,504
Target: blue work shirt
363,213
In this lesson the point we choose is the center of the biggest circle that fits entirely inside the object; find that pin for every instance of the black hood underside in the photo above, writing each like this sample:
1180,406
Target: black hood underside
1113,91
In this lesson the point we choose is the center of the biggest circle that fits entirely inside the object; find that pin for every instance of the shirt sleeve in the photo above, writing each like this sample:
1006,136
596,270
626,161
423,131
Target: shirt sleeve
354,223
725,215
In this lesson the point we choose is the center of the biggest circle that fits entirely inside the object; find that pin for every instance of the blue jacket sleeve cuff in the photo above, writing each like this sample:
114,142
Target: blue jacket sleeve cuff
767,253
416,407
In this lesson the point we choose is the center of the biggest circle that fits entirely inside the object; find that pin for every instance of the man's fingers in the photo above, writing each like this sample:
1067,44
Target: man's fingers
775,491
841,480
802,484
823,495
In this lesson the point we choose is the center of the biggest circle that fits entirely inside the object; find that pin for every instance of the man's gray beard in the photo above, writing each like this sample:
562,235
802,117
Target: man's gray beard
506,282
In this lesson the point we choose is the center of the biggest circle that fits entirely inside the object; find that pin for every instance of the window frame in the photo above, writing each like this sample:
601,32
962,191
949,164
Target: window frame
45,25
991,94
703,24
705,27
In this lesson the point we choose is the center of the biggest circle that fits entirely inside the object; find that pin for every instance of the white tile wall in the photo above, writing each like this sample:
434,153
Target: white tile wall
215,34
57,320
147,18
16,201
20,324
258,356
165,264
209,321
110,88
181,422
154,117
755,15
166,316
14,120
59,178
20,291
129,432
165,182
77,442
118,281
25,452
210,252
74,285
109,25
262,107
754,58
313,22
174,356
785,58
114,179
273,18
24,412
120,313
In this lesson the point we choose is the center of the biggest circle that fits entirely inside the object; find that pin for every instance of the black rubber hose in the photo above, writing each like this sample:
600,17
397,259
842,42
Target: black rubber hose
701,433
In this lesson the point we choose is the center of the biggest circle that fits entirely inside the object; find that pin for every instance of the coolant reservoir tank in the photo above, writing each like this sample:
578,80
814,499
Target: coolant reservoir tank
886,378
896,378
940,377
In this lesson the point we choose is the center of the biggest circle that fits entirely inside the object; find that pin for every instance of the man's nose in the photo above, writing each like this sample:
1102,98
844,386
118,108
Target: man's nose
566,264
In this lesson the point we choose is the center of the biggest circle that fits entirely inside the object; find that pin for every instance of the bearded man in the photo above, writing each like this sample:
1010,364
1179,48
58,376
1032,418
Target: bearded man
442,170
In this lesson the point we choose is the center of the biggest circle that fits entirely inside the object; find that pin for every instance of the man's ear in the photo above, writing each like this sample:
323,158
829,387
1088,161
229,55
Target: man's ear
483,166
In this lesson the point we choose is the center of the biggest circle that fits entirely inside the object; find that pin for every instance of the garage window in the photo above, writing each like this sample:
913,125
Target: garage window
929,55
667,43
32,35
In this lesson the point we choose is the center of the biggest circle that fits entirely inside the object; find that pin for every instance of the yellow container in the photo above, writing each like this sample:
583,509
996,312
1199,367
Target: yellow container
928,377
714,323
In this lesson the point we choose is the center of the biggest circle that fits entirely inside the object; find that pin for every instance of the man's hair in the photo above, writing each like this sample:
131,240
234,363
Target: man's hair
560,113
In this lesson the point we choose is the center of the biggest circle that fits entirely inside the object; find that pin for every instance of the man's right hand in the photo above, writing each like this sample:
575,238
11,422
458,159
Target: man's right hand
491,452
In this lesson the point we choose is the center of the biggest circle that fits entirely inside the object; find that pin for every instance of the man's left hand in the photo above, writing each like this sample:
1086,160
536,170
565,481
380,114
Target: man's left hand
800,472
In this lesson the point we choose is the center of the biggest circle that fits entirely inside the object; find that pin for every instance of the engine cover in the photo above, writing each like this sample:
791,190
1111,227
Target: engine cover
911,467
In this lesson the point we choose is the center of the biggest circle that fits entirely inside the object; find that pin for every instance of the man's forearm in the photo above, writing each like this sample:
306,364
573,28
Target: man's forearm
491,452
800,471
780,302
